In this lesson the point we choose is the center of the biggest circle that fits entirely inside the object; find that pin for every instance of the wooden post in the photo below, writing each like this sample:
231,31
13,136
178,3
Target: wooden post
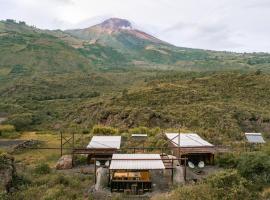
185,170
109,178
179,148
73,142
172,172
95,170
61,143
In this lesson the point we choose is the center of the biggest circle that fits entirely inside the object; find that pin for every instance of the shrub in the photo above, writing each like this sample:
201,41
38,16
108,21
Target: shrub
227,160
229,184
7,128
8,131
140,130
104,130
85,131
255,166
21,121
42,168
80,160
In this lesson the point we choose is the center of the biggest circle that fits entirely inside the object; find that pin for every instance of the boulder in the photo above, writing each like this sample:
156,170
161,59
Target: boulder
65,162
25,145
7,172
102,178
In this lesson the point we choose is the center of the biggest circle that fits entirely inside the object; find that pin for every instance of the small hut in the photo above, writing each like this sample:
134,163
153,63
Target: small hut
192,147
130,173
103,146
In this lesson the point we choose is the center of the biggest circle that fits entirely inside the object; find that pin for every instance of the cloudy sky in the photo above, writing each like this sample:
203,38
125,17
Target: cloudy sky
233,25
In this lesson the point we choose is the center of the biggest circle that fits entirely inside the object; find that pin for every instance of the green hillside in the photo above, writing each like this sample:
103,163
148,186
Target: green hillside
113,80
50,78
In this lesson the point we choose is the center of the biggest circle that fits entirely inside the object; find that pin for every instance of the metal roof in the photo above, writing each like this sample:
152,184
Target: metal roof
154,161
188,140
139,135
254,138
110,142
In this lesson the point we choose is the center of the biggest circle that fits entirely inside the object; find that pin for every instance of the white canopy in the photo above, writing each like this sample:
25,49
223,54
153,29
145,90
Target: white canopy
110,142
119,162
188,140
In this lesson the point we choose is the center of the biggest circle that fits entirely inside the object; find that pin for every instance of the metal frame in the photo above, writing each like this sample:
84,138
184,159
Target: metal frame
162,159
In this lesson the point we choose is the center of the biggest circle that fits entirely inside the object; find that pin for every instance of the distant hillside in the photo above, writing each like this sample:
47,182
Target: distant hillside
112,44
117,39
29,51
115,75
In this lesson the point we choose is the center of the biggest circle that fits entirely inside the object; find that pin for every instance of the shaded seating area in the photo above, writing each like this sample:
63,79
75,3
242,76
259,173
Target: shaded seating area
103,147
192,147
130,173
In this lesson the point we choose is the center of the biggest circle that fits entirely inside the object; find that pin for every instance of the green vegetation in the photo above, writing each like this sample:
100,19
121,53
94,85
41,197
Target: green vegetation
8,131
249,181
42,168
223,185
122,84
103,130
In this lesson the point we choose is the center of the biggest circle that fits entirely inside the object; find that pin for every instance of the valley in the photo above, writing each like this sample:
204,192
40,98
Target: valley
116,79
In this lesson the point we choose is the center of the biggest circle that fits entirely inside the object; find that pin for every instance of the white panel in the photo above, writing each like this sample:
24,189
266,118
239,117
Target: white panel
137,164
188,140
254,138
105,142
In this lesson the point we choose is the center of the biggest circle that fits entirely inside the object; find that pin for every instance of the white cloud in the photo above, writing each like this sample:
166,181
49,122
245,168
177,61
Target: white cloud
234,25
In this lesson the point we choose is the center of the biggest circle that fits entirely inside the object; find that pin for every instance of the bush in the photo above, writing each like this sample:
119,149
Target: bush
255,166
104,130
7,128
140,130
80,160
42,168
227,160
21,121
8,131
229,184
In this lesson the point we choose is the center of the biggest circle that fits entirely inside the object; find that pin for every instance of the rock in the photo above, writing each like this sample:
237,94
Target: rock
7,172
65,162
26,144
178,177
102,178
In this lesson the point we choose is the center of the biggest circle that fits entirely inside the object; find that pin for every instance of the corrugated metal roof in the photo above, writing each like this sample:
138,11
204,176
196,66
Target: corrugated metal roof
105,142
254,138
188,140
136,164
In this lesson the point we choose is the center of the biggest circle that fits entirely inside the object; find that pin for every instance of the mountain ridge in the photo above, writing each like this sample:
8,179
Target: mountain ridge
112,26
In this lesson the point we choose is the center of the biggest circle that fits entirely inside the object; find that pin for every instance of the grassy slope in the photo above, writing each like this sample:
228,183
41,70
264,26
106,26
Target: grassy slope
47,80
218,105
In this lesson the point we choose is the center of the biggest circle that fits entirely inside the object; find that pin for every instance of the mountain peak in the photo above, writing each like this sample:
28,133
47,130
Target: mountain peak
116,23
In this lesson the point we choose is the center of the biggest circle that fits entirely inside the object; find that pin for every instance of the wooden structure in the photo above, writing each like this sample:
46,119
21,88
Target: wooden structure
192,147
101,147
130,173
64,141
